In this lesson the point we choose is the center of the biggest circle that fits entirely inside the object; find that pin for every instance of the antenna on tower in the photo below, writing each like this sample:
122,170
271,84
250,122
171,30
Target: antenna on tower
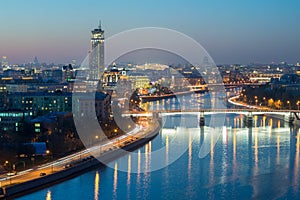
100,24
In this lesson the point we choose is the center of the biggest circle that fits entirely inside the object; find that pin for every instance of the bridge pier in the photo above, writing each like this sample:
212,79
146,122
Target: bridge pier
296,118
155,116
248,119
291,118
201,120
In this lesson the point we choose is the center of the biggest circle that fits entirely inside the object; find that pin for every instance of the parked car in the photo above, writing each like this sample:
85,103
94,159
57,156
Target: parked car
68,165
43,174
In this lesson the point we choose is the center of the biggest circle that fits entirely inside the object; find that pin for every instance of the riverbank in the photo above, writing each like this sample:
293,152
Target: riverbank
232,100
116,150
290,119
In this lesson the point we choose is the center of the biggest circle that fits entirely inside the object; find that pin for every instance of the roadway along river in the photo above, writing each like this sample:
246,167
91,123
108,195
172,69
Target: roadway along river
261,162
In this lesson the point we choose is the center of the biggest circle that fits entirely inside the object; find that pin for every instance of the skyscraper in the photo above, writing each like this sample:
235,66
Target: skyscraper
4,62
35,61
97,53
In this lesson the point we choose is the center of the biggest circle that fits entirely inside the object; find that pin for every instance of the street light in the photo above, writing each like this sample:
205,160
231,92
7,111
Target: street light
48,153
9,174
264,98
298,104
11,167
289,105
6,163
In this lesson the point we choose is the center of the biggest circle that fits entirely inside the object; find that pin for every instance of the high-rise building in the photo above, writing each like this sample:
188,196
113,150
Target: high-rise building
35,61
73,63
97,53
4,62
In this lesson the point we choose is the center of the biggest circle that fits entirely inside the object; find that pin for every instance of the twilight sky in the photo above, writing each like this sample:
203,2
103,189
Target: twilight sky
232,31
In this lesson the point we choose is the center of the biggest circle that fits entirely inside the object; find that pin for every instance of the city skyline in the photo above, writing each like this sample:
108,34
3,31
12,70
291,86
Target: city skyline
231,32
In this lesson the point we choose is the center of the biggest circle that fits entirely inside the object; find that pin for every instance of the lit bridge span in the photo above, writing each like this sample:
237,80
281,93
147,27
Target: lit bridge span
247,112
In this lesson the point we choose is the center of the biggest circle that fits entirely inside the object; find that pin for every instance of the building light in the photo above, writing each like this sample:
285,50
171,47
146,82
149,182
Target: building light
37,125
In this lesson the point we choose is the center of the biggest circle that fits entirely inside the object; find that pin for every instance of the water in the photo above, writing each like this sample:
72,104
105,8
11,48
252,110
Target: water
261,162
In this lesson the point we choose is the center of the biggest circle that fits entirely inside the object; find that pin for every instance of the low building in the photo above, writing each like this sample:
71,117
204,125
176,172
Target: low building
51,122
92,104
13,120
138,81
34,149
40,103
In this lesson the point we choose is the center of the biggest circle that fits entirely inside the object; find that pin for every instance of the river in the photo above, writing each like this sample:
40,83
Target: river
260,162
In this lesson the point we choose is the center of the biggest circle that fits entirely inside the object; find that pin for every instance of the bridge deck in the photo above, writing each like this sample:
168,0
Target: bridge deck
219,110
214,111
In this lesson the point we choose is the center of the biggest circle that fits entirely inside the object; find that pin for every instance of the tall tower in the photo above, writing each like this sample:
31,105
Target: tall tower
35,61
97,53
4,62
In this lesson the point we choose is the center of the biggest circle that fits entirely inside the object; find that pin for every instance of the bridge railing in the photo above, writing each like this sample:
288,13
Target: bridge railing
215,110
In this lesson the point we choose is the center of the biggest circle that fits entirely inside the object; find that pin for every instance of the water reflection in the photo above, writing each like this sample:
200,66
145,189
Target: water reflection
128,176
211,163
261,162
139,167
190,149
256,147
278,149
129,169
48,196
146,175
296,169
97,180
115,181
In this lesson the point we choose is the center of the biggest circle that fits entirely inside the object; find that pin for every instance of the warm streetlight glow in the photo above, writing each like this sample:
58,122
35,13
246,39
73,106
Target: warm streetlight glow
271,102
47,152
96,137
116,130
288,103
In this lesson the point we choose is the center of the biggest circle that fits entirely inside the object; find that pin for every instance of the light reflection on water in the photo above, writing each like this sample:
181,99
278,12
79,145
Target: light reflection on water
261,162
97,180
48,196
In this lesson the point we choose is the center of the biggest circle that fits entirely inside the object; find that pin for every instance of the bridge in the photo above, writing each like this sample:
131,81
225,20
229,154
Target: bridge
288,115
243,111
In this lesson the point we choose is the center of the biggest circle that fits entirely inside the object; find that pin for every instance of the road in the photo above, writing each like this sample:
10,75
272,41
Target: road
58,165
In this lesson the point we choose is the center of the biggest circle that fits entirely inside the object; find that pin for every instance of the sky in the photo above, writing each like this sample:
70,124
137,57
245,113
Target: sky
232,31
